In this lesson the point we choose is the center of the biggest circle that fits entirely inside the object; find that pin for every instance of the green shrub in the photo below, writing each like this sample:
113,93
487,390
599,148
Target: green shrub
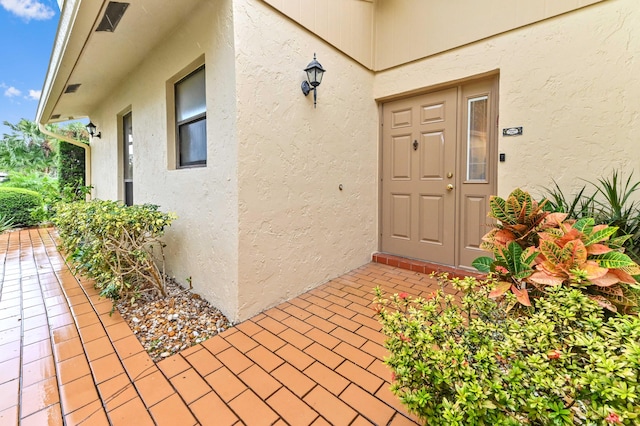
41,183
475,364
71,166
47,212
16,205
534,250
117,245
614,202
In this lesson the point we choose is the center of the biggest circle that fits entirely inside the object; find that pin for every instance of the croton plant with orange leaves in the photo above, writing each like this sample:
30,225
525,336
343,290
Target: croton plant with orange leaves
534,249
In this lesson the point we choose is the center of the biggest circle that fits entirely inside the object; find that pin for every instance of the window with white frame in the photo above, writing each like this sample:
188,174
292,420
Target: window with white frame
191,120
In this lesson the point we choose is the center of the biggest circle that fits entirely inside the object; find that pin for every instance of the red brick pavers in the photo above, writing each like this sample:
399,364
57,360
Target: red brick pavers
314,360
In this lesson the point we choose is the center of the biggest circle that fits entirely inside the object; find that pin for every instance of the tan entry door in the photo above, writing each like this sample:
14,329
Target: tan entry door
438,171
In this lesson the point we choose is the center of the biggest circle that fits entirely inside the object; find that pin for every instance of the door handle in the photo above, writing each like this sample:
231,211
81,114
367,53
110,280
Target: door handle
415,145
450,187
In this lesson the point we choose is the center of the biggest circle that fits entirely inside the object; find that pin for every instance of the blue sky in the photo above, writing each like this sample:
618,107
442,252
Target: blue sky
27,32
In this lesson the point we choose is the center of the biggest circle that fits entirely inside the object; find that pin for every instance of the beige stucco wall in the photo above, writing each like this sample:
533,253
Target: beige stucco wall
412,29
297,229
383,34
348,25
265,220
570,81
202,243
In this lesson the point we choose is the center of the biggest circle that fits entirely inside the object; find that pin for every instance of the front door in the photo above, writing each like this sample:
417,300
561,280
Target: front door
438,171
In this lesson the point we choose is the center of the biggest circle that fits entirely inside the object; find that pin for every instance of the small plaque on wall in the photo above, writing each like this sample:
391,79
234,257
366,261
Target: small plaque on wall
512,131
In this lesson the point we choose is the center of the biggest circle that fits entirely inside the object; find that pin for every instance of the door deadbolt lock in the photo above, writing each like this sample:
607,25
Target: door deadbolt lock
449,187
449,175
415,145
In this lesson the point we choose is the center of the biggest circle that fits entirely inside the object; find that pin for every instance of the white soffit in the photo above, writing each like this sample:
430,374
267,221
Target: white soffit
100,61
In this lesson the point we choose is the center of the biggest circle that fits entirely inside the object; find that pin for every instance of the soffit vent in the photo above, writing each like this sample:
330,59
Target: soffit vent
55,116
112,16
72,88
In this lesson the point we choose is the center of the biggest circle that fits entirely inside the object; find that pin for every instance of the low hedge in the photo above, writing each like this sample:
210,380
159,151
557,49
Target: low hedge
118,246
16,204
480,362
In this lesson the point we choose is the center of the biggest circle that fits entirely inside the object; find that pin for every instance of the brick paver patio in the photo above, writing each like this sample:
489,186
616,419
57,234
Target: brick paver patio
315,360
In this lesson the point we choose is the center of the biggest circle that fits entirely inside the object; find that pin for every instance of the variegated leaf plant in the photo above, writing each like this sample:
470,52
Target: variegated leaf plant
534,249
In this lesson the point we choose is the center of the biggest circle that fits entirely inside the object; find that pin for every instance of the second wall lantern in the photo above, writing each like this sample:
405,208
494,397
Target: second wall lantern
91,128
314,77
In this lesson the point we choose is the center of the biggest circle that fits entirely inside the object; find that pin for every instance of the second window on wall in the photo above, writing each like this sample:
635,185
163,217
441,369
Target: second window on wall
191,119
127,158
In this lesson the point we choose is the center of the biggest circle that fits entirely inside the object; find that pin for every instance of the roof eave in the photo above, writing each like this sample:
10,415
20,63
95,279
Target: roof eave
77,19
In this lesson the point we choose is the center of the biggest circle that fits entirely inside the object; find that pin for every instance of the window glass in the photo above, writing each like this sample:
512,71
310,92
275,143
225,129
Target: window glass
127,151
477,117
191,119
192,150
190,99
127,128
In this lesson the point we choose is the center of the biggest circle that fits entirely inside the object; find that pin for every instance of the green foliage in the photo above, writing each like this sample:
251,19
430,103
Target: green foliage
72,165
41,183
47,212
614,199
30,152
16,205
474,363
33,161
5,223
27,149
72,193
579,206
71,158
514,265
519,216
535,249
116,245
614,202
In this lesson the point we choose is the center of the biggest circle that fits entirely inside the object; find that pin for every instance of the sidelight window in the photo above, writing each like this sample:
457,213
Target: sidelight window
477,138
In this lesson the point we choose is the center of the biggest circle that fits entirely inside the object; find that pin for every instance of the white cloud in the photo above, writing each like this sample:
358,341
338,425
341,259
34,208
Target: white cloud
11,92
34,94
28,9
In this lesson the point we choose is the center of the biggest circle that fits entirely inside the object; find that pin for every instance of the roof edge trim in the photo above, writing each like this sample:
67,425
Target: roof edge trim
68,16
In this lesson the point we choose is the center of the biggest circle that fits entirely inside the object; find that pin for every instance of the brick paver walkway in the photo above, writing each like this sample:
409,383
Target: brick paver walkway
314,360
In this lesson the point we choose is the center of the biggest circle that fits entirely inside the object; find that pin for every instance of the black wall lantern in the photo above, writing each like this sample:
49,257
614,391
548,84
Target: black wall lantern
91,128
314,76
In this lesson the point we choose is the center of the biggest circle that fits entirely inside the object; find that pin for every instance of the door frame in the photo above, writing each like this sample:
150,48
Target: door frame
494,77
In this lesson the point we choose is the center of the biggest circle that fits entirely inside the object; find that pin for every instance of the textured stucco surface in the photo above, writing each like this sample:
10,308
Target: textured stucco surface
265,220
412,29
297,229
570,81
202,242
348,25
383,34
